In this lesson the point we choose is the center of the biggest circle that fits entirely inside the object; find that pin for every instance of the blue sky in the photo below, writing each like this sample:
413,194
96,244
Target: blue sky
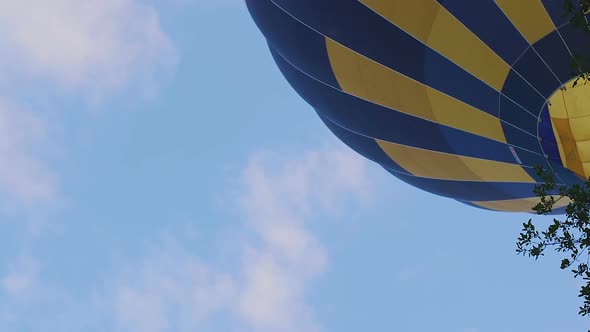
158,174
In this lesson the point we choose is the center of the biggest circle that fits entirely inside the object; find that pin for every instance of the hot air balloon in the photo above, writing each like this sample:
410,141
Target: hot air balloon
459,98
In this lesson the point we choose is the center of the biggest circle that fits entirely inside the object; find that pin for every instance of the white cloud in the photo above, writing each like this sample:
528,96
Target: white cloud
21,278
272,295
280,259
278,202
54,51
23,174
94,45
315,180
88,48
171,292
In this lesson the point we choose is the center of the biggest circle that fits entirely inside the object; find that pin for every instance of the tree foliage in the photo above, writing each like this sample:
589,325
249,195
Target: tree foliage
569,236
575,11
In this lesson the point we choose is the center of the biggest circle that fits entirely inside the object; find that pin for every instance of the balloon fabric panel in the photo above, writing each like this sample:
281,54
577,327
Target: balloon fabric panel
449,96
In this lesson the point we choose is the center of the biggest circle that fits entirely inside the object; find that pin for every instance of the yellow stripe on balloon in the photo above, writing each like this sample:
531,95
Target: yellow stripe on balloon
445,166
369,80
433,25
519,205
529,17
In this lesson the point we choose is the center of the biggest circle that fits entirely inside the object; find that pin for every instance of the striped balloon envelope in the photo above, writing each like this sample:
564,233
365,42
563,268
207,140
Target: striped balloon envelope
461,98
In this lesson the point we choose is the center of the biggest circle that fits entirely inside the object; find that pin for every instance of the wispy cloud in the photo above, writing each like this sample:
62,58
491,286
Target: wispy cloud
171,291
278,202
91,46
24,175
21,278
281,257
56,53
89,49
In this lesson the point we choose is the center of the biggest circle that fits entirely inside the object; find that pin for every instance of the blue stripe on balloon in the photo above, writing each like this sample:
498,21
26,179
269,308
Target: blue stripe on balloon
556,55
533,160
520,92
535,71
517,116
519,138
488,22
547,136
301,46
